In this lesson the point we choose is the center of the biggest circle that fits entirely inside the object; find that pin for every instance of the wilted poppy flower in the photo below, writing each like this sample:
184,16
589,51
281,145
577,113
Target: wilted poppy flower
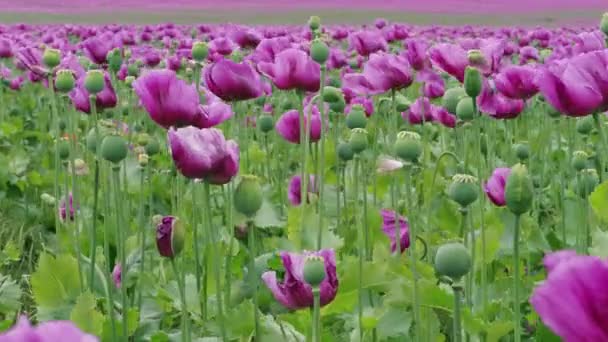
292,291
294,190
389,228
293,69
170,236
572,301
117,275
450,58
204,154
288,125
63,208
497,105
50,331
381,73
366,42
232,81
104,99
169,100
517,82
495,186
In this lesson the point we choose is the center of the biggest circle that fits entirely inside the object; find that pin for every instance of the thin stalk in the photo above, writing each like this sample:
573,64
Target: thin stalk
182,295
600,129
142,233
321,161
230,225
54,116
408,197
253,278
361,251
195,245
316,315
121,238
457,304
516,277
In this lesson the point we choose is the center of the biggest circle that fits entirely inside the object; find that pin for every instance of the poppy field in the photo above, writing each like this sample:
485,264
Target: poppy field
314,182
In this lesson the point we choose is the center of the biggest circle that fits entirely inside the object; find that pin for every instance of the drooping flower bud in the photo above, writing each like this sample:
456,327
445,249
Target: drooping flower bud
332,94
453,260
472,82
170,236
63,147
585,125
358,140
356,118
248,196
314,270
51,58
265,123
408,146
522,151
451,98
200,51
114,148
588,180
402,103
519,190
64,82
579,160
94,81
465,110
345,152
463,190
604,24
314,22
319,51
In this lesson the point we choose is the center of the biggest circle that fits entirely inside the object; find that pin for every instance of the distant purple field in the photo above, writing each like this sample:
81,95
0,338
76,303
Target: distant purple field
429,6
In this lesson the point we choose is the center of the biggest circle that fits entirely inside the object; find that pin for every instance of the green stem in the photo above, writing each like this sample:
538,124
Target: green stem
600,129
195,245
142,234
361,251
121,238
253,278
516,277
54,116
412,224
182,295
457,303
316,315
321,160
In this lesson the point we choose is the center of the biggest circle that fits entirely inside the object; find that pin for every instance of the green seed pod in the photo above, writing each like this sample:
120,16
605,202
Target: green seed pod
248,196
236,56
133,70
114,148
384,105
356,118
51,58
519,190
585,125
332,94
94,81
143,159
522,151
314,270
260,101
358,140
153,147
314,22
587,181
319,51
463,190
579,160
338,106
92,140
265,123
64,82
408,146
476,57
472,82
465,110
345,152
200,51
335,82
142,139
604,24
114,60
64,149
453,260
451,98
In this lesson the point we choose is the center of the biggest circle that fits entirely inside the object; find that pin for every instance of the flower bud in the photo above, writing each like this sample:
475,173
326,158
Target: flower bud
314,22
114,148
114,60
314,270
465,110
332,94
200,51
522,151
472,82
345,152
51,58
338,106
356,118
587,181
358,140
170,236
129,81
476,57
64,81
92,140
453,260
519,190
142,139
265,123
248,196
585,125
579,160
143,159
319,52
604,24
408,146
47,199
152,147
63,147
463,190
94,81
335,82
402,103
451,98
353,63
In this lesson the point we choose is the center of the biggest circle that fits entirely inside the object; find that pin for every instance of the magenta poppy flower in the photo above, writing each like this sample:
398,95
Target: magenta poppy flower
442,116
117,275
213,112
416,53
573,300
169,100
50,331
433,84
498,106
30,59
517,82
222,46
16,83
246,38
292,291
389,228
420,111
288,125
151,58
169,240
450,58
337,59
528,53
268,49
174,63
232,81
366,103
6,49
294,190
97,48
589,41
204,154
293,69
493,50
495,186
381,73
366,42
63,208
104,99
380,23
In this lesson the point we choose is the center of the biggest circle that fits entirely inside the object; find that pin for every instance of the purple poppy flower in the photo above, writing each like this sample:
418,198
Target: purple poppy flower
294,191
293,69
337,59
222,46
366,42
30,59
268,49
517,82
495,186
589,41
6,49
390,230
16,83
213,112
174,63
151,58
63,208
97,48
293,292
232,81
204,154
433,84
528,53
573,300
366,103
169,237
416,53
169,100
246,38
380,23
381,73
104,99
288,125
450,58
444,117
498,106
50,331
117,275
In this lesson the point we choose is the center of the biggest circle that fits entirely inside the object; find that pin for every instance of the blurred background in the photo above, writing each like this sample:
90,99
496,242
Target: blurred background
447,12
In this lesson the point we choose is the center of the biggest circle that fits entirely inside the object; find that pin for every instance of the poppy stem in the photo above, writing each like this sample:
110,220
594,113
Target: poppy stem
600,129
361,246
195,246
321,160
316,315
142,233
121,238
253,278
182,295
410,213
457,303
516,299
